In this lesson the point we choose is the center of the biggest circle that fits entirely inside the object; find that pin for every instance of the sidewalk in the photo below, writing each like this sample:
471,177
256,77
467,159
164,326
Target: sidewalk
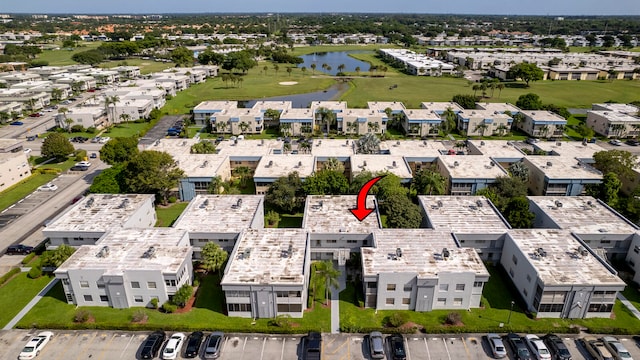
629,305
335,300
30,305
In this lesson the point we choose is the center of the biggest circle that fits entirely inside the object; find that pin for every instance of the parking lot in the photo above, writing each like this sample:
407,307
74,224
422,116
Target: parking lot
98,345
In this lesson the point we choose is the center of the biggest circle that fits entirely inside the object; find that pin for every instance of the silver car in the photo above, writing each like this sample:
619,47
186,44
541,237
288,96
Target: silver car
376,345
213,344
497,346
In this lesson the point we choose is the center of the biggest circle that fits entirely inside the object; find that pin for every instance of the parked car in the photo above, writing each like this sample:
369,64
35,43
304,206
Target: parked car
152,345
497,346
396,346
557,347
19,249
48,187
518,346
79,168
532,141
616,348
27,151
313,346
172,349
596,348
83,163
17,123
376,345
35,345
32,138
93,156
193,344
213,345
103,140
615,142
95,139
537,347
632,142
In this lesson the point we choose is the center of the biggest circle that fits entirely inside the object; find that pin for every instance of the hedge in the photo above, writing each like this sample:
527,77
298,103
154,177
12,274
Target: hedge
4,278
27,259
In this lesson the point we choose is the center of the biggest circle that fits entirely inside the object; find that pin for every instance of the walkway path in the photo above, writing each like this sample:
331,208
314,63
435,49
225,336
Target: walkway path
30,305
629,305
335,300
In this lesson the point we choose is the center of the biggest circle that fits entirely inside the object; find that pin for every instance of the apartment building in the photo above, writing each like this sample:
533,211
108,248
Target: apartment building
237,121
421,122
612,124
363,121
381,164
465,175
202,112
272,167
484,122
86,116
559,175
199,170
14,167
544,124
297,122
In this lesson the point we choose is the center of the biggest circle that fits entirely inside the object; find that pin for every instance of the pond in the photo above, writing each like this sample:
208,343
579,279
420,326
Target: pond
303,100
334,59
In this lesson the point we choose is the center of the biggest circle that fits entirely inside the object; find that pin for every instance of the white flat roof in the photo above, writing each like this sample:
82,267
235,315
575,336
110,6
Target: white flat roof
233,112
499,107
462,214
421,252
440,107
421,114
275,105
563,264
175,147
91,110
415,148
330,214
471,167
484,114
380,106
376,164
333,148
583,215
497,148
275,166
615,116
201,165
297,114
542,115
252,148
571,149
219,213
99,212
563,167
268,256
214,105
130,249
623,108
331,105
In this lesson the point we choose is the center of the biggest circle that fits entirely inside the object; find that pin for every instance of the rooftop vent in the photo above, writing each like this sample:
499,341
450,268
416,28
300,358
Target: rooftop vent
270,163
245,254
237,205
150,253
204,164
397,143
582,251
424,142
90,202
549,163
479,203
123,204
399,252
395,164
299,163
104,252
364,163
440,203
446,253
455,163
542,252
558,203
204,204
558,143
481,143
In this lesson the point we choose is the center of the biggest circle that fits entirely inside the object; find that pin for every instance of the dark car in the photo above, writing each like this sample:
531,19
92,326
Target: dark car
32,138
313,346
94,156
396,346
79,168
632,142
152,345
213,345
193,344
557,347
518,346
19,249
17,123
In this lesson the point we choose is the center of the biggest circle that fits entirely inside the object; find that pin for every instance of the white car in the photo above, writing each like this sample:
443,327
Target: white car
27,151
48,187
615,142
103,140
172,349
83,163
35,345
537,346
616,348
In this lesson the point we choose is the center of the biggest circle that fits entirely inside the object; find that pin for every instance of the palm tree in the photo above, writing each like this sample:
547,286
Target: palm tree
4,116
324,66
304,70
313,68
449,122
358,70
482,127
56,94
221,126
285,128
265,68
502,128
304,146
326,116
289,70
341,67
68,122
239,79
276,68
517,120
475,89
414,129
244,173
427,182
618,129
484,87
326,272
636,130
111,100
305,129
500,86
544,131
243,127
63,110
125,117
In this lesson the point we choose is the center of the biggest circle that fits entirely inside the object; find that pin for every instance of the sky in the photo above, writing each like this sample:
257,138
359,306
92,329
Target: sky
499,7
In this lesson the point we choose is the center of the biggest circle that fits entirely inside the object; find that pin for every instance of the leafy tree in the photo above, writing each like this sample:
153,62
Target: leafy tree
465,100
619,162
182,296
329,275
359,180
334,164
427,182
369,143
109,181
216,185
401,212
56,257
286,193
119,150
240,60
89,57
389,186
584,130
327,117
182,56
526,71
152,172
209,57
213,257
56,146
203,147
505,189
244,173
519,170
449,122
489,193
529,101
326,182
272,218
517,213
608,190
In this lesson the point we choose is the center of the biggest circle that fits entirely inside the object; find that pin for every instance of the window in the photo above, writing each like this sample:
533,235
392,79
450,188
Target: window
477,284
444,287
442,302
408,287
135,285
151,284
511,272
88,298
237,293
600,307
459,287
283,294
514,259
391,287
137,298
550,308
525,292
390,301
170,282
636,249
104,298
65,281
406,301
100,285
528,278
289,308
239,307
457,302
332,241
84,284
633,264
372,285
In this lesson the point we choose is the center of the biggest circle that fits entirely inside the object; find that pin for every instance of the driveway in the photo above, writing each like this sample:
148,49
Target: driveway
159,131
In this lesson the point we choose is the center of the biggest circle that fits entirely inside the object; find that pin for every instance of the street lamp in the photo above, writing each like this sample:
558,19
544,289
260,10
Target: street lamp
510,310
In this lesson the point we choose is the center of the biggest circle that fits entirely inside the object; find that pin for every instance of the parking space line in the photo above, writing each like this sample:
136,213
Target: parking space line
88,344
446,347
464,342
343,344
66,348
427,347
243,346
406,346
284,340
125,348
264,342
107,346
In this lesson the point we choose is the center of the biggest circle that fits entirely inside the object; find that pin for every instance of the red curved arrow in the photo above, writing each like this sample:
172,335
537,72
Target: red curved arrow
361,211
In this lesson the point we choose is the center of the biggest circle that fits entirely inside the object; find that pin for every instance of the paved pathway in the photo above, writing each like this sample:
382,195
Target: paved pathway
629,306
335,300
30,305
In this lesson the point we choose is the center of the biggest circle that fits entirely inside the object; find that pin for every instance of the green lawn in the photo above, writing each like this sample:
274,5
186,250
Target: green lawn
632,293
303,50
290,221
128,129
25,287
146,66
167,215
23,188
207,314
62,166
63,57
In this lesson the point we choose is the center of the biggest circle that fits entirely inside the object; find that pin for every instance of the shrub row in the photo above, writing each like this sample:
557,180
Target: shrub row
27,259
4,278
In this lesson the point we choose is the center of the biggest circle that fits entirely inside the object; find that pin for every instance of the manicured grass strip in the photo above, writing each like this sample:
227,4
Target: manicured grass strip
17,293
23,188
167,215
